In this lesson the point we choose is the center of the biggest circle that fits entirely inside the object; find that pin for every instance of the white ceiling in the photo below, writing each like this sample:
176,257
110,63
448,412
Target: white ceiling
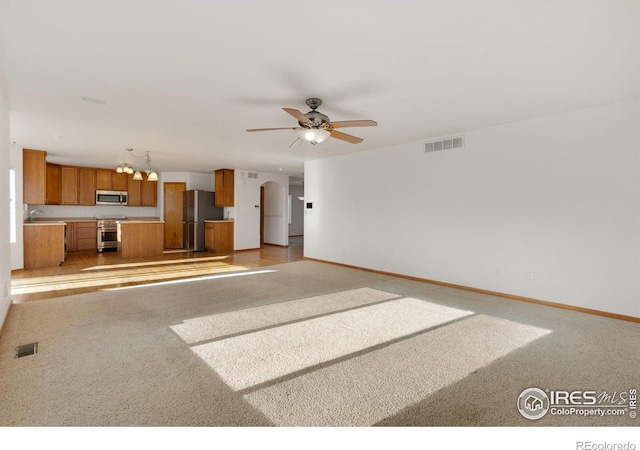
184,79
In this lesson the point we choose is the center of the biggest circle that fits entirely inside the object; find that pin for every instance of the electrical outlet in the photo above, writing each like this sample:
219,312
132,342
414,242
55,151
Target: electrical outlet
7,288
498,271
531,276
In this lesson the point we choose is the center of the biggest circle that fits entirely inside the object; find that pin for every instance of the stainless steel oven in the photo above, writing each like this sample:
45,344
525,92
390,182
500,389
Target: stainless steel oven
107,232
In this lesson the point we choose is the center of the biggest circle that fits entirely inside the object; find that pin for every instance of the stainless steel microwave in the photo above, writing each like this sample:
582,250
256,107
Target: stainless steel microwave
111,198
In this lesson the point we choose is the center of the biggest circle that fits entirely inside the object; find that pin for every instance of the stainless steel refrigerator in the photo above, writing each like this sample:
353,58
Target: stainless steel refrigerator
198,206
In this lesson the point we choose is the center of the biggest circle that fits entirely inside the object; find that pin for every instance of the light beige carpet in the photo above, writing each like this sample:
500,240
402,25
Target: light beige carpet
304,344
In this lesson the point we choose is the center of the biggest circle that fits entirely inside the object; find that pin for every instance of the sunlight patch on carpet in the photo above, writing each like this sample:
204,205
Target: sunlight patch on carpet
218,325
251,359
363,390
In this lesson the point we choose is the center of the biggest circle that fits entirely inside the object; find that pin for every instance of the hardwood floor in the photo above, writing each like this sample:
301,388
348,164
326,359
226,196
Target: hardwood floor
88,272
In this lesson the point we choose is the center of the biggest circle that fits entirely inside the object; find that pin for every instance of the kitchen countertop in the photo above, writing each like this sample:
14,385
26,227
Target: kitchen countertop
221,220
87,219
128,221
42,223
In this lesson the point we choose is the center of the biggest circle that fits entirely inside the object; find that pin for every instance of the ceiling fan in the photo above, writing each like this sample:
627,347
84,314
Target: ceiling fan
315,127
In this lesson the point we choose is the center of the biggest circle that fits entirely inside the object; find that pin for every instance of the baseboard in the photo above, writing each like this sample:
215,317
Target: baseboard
494,293
277,245
4,322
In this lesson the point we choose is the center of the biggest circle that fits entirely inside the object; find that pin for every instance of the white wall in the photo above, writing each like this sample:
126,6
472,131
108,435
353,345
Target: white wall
247,209
5,248
92,211
555,198
17,249
296,227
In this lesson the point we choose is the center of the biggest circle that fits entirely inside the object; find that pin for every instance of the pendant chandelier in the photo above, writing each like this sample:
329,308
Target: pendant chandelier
152,175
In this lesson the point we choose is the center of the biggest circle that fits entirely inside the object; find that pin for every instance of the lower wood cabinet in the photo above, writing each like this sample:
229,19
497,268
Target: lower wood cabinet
138,239
218,236
82,236
43,245
86,236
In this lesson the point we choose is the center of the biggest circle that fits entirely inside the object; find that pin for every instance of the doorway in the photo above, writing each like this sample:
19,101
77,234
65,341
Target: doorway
173,226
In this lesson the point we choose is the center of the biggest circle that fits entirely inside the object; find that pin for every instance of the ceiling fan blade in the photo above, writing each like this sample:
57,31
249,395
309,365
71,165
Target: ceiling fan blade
345,137
298,115
296,143
354,123
270,129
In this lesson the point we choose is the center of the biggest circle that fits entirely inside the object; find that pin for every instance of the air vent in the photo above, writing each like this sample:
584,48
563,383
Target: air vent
252,175
444,144
26,350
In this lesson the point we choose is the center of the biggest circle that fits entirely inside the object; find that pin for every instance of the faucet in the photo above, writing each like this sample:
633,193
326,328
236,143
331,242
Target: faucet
37,212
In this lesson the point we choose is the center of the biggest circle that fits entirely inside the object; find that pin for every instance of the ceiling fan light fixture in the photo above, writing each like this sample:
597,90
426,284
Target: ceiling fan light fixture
315,136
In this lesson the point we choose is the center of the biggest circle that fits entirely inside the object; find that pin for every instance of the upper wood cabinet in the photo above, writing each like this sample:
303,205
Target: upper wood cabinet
34,176
142,193
53,184
149,193
134,191
69,186
78,186
87,186
110,180
119,181
224,182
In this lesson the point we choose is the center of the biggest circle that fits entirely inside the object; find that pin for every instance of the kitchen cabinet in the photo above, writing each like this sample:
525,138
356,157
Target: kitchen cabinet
110,180
53,179
86,236
71,236
87,186
103,180
119,181
82,236
69,185
43,245
218,236
34,176
149,193
142,193
224,186
134,191
78,186
140,238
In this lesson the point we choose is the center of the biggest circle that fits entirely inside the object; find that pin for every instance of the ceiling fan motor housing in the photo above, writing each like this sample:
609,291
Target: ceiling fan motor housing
317,118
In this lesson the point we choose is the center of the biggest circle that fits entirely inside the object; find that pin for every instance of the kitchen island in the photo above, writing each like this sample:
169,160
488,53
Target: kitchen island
140,238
